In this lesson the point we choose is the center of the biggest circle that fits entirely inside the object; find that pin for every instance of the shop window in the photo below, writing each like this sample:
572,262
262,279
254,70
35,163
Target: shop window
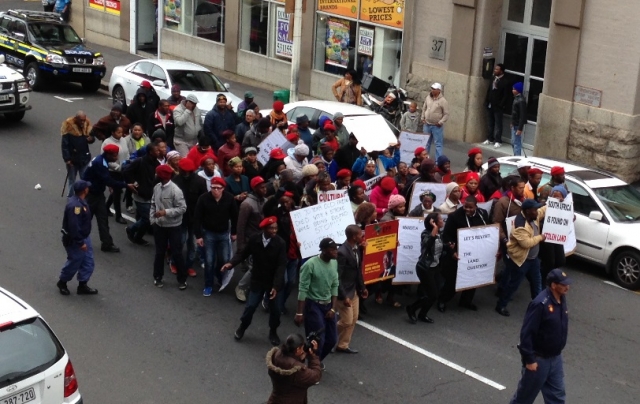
541,13
516,10
335,44
255,26
201,18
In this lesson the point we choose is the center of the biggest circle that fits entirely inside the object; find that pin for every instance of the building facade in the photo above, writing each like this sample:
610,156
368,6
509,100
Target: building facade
576,58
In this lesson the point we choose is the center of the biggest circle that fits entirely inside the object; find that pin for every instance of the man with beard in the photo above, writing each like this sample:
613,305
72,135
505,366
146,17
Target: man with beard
101,130
557,178
218,120
162,118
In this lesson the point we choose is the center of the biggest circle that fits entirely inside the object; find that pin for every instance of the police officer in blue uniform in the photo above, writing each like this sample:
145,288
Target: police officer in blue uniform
542,339
76,230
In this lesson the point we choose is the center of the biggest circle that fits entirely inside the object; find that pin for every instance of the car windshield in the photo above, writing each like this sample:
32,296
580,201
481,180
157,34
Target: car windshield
26,349
53,33
194,80
623,203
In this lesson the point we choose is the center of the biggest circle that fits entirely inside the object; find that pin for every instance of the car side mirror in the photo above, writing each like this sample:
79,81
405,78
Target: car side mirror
595,215
227,85
159,83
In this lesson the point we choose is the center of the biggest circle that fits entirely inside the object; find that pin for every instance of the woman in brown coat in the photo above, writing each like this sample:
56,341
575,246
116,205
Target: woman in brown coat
348,89
289,375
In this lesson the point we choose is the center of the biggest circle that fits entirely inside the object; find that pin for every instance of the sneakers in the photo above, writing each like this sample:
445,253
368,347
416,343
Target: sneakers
131,209
486,142
322,366
131,237
182,286
239,333
191,272
158,283
497,145
206,292
241,294
174,269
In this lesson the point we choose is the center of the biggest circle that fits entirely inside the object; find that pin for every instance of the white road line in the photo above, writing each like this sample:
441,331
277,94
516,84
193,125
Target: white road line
620,287
62,99
431,355
124,215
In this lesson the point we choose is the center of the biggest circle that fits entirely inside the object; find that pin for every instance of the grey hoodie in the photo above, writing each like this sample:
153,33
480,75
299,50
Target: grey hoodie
188,124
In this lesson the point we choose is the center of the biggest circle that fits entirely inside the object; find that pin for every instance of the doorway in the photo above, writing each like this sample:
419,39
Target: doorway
146,26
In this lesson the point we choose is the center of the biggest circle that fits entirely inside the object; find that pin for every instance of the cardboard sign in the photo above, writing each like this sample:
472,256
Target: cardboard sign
380,255
328,196
439,190
409,231
409,142
477,249
372,183
273,141
571,243
558,221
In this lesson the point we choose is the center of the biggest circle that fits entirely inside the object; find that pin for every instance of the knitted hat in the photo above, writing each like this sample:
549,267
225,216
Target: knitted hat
518,87
395,201
309,170
301,150
387,184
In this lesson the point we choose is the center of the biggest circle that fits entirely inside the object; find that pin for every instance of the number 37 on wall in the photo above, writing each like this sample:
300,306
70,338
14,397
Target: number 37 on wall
438,47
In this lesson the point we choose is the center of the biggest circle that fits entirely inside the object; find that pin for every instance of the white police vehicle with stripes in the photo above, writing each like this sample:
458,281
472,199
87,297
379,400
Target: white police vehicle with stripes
47,49
14,93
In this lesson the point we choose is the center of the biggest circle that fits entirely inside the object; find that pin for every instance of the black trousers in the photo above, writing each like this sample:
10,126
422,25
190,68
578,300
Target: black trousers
98,207
49,7
450,274
551,257
163,238
429,289
116,195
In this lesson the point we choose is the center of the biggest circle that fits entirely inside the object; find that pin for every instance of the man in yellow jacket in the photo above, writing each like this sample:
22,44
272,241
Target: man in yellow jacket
522,253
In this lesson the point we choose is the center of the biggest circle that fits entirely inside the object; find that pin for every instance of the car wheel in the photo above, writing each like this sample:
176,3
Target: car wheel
14,116
626,269
33,76
118,95
91,86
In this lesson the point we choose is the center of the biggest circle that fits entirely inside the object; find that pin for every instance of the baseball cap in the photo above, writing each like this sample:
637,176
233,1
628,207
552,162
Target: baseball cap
436,86
192,98
327,243
531,203
248,94
559,276
81,185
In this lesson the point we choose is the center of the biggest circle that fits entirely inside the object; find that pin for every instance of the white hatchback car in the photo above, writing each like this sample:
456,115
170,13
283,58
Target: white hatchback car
607,213
34,366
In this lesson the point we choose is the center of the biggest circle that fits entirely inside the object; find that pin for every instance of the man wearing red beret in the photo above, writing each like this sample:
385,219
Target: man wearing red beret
531,188
557,178
343,179
267,275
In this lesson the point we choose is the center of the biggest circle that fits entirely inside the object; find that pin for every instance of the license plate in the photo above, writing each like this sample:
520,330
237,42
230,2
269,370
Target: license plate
81,70
20,398
4,98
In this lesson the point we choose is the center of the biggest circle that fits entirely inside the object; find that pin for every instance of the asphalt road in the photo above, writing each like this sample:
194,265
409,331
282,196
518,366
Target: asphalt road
136,343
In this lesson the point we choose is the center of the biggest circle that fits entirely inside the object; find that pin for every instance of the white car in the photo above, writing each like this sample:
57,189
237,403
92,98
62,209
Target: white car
14,93
607,212
34,366
163,74
373,132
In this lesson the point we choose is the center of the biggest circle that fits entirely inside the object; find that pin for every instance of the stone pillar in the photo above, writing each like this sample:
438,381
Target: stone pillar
231,35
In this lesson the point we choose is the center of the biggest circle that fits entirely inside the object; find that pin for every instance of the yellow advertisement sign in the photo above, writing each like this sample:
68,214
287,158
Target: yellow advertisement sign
383,12
345,8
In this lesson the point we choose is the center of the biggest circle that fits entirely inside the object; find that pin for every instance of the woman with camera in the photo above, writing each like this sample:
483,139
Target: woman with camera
289,375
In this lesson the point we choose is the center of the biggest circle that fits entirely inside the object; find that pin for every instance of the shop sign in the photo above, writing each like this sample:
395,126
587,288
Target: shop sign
284,47
337,43
113,7
96,4
365,41
383,12
345,8
173,11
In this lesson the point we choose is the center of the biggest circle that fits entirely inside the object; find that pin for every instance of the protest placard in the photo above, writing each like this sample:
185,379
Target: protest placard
571,243
380,254
274,140
439,190
477,249
331,195
409,142
557,221
316,222
409,231
372,183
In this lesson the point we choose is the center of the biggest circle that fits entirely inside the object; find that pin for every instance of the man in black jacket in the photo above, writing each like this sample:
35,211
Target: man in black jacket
518,118
76,139
140,109
348,154
142,173
496,103
162,118
469,215
269,262
351,286
492,180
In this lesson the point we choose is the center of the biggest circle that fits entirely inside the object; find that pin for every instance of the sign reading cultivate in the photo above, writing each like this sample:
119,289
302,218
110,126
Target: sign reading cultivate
439,190
409,142
383,12
379,261
274,140
284,46
328,196
316,222
477,249
409,231
558,221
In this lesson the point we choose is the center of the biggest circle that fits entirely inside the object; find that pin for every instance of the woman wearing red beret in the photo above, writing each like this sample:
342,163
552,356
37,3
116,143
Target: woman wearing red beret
474,163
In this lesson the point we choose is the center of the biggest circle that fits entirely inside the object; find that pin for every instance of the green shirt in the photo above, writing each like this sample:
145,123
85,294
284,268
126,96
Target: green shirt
318,279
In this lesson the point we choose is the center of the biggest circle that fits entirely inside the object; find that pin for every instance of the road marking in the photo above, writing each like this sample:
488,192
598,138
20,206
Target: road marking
432,356
124,215
620,287
67,99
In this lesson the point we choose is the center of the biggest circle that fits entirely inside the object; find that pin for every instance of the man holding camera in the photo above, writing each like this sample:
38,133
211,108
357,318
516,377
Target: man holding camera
290,377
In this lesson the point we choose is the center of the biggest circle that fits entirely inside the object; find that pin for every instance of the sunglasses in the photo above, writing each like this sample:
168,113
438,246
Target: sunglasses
217,188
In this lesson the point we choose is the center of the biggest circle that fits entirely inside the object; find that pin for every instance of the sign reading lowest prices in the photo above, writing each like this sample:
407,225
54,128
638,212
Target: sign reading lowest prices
477,249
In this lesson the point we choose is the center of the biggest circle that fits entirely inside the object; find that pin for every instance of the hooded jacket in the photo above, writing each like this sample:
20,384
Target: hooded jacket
249,218
290,377
137,112
76,141
187,124
216,122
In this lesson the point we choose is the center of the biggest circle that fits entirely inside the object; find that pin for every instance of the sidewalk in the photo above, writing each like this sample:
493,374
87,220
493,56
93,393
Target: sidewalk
455,151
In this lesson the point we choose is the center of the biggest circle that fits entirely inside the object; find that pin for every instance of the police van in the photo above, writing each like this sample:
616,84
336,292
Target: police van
34,366
14,93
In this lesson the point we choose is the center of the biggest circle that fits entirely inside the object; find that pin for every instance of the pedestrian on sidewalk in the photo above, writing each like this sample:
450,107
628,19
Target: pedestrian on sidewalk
496,101
435,112
410,120
76,138
186,117
542,339
48,5
167,210
63,7
518,118
76,239
348,89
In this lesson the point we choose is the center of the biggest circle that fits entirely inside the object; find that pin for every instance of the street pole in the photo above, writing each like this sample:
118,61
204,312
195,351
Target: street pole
297,45
159,27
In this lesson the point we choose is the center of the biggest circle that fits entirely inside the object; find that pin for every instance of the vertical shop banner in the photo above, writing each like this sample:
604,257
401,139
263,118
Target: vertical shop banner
273,140
337,44
345,8
365,41
383,12
439,190
173,11
409,231
113,7
284,46
477,249
381,252
96,4
409,142
329,196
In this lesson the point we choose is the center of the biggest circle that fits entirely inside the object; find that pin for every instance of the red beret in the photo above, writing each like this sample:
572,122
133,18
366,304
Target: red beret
557,170
255,181
288,194
278,106
359,183
472,176
187,165
387,184
164,172
268,221
474,151
292,127
291,136
418,151
227,134
145,84
277,154
218,181
206,157
344,173
534,171
329,126
111,148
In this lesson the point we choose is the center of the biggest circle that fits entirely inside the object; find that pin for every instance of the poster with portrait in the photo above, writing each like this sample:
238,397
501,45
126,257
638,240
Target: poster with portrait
173,11
337,44
381,253
284,46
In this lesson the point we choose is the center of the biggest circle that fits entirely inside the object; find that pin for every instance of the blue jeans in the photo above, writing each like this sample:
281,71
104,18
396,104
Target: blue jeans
189,240
253,301
216,254
139,228
548,378
75,170
516,142
78,262
436,134
314,320
529,269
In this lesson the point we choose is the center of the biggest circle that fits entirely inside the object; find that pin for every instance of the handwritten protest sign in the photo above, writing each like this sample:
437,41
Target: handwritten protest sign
439,190
379,260
477,249
372,183
274,140
331,195
571,243
409,142
316,222
409,231
557,221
